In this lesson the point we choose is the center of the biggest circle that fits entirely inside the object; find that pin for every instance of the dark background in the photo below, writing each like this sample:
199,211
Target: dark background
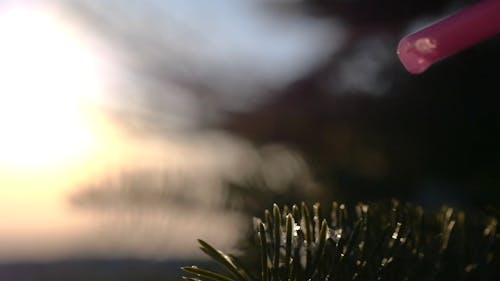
429,138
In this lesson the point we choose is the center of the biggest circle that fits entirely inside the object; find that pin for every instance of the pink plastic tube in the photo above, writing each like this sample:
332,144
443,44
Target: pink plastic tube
466,28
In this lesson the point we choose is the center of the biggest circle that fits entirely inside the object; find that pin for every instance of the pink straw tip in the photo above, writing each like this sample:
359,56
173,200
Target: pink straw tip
418,51
412,57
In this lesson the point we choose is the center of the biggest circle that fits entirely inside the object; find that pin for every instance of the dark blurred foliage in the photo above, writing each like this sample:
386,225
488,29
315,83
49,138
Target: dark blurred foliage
430,138
381,11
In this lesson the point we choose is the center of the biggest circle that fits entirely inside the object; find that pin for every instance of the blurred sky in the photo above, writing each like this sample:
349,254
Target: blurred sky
234,50
103,98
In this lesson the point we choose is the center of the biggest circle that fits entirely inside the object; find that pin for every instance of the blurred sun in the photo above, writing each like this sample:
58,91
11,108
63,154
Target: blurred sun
54,135
48,80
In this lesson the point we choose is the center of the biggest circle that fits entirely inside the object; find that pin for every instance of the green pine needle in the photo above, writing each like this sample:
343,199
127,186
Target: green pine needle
367,242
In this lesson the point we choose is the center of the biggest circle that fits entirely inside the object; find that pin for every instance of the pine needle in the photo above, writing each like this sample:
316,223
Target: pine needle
367,242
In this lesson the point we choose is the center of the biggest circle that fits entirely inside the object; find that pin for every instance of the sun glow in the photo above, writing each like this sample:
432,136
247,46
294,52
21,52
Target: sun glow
47,81
54,135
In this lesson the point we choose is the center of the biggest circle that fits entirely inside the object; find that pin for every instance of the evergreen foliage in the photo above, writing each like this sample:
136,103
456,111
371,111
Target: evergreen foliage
366,242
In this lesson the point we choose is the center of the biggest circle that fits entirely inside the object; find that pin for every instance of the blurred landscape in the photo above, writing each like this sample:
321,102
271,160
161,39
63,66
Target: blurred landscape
129,129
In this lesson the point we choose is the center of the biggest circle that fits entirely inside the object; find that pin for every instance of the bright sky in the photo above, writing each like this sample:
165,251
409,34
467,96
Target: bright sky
50,130
55,79
55,137
47,77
